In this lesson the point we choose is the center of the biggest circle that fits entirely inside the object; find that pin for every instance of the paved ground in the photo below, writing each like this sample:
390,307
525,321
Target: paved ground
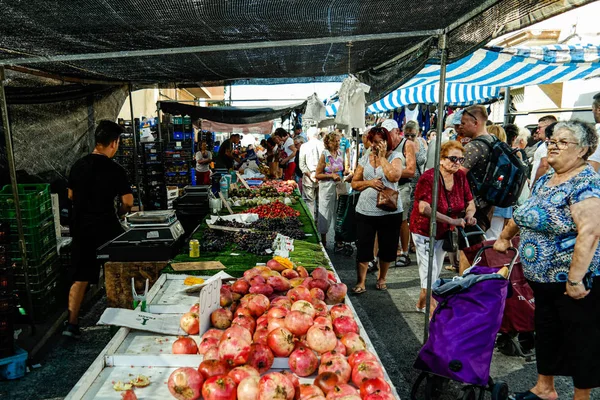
389,317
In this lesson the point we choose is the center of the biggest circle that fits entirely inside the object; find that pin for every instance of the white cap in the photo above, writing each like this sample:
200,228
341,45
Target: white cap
312,132
389,124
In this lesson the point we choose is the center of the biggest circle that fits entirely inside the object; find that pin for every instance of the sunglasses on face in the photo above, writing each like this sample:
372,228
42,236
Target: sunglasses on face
411,135
456,160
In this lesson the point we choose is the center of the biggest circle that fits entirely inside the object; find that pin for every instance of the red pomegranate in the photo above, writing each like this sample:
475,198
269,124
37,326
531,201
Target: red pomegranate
336,293
340,348
279,283
260,335
210,368
340,310
275,386
322,284
277,312
342,391
237,331
212,333
195,308
323,321
319,273
242,311
299,293
289,274
281,342
321,339
248,388
240,286
302,272
190,324
275,323
221,318
242,372
185,384
317,293
360,356
353,342
339,366
206,344
308,391
185,345
219,387
326,381
234,351
282,301
298,322
343,325
245,322
258,305
374,385
366,370
303,362
226,299
212,354
305,307
261,357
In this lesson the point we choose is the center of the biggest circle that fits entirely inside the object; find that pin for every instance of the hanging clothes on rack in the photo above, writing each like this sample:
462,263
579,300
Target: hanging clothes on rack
399,116
315,109
352,108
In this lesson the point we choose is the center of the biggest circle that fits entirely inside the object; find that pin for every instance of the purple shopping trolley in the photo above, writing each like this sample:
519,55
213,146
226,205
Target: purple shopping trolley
463,332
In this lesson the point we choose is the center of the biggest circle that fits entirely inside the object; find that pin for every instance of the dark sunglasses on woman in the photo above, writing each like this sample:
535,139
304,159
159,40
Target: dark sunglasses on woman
456,160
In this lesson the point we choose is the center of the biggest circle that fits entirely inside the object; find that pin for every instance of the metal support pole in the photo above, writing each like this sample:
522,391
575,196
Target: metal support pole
13,180
442,46
507,101
135,151
158,120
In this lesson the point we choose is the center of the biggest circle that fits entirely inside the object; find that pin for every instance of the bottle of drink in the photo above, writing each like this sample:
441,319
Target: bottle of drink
498,183
224,186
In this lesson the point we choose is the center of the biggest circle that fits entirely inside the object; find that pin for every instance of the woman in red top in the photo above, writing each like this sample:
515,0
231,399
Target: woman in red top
454,199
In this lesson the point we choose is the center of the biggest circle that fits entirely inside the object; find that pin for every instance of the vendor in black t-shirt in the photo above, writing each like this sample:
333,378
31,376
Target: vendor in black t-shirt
95,182
225,157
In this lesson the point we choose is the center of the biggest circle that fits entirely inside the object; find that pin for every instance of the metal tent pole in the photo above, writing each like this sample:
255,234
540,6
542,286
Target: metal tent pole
13,180
135,151
442,46
158,121
507,100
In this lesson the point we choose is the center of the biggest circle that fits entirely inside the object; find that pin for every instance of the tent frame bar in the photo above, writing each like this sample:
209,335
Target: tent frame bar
443,49
15,189
217,47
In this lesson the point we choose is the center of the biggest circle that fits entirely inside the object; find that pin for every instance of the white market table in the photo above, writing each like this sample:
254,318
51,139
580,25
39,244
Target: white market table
131,353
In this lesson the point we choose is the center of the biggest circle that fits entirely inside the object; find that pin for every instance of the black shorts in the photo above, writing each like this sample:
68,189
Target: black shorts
85,265
568,333
387,228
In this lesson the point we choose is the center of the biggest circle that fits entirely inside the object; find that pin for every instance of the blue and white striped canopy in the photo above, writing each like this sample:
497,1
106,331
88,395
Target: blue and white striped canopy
479,77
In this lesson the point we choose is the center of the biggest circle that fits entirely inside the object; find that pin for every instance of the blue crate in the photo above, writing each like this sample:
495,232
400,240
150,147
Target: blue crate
14,367
178,135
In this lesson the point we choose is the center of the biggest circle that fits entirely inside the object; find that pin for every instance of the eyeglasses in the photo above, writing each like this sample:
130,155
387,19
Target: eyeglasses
456,160
559,144
412,135
469,114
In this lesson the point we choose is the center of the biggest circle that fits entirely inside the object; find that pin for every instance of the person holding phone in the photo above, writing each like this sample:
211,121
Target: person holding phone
559,234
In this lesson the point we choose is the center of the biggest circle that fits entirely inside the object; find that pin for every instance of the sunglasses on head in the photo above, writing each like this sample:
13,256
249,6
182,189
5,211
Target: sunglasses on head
469,114
456,160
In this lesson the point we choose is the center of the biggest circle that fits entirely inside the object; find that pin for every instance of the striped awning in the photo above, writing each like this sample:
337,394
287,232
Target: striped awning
479,77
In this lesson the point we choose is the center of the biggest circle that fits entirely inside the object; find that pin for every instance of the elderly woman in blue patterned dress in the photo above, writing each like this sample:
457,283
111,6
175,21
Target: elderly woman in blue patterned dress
559,231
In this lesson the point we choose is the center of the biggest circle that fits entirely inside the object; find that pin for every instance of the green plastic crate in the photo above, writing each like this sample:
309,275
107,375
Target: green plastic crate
30,195
45,301
38,243
29,216
38,273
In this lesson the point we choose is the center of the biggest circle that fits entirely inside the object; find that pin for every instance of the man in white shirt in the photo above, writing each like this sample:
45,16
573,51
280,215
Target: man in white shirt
540,163
594,159
310,153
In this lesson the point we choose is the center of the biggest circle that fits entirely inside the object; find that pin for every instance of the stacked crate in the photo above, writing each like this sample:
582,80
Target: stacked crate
7,303
43,268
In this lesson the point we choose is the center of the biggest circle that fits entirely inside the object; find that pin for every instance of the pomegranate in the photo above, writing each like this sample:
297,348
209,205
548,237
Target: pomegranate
338,365
321,339
206,344
185,345
241,286
322,284
257,280
317,293
261,357
281,341
250,273
262,321
366,370
226,298
340,310
275,323
275,386
380,396
212,333
292,378
319,273
295,282
306,282
190,324
279,283
303,362
336,293
289,274
331,276
277,312
323,321
260,335
195,308
248,388
219,387
320,308
305,307
360,356
235,351
242,311
185,384
299,293
236,298
261,289
341,391
374,385
240,373
343,325
282,301
298,322
245,322
325,357
210,368
237,331
275,266
326,381
221,318
340,348
302,272
258,305
212,354
308,391
353,342
128,395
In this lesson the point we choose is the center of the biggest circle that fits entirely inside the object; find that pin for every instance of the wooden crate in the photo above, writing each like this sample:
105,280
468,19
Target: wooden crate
118,280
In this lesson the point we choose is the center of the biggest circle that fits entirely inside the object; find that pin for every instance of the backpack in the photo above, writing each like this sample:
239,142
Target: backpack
505,175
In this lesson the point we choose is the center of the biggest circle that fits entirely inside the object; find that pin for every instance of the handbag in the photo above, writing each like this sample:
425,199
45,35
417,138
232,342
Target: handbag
450,244
387,199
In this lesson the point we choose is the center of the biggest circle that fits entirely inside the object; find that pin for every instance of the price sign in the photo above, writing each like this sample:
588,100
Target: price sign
210,300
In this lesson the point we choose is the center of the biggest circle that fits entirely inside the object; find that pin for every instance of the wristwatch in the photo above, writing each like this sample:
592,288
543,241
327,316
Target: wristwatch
574,283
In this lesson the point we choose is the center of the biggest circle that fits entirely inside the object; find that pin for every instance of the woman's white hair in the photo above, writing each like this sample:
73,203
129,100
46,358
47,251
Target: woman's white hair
584,133
523,136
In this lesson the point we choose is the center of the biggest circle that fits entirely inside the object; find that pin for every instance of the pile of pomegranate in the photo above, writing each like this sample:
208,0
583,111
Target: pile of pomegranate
266,315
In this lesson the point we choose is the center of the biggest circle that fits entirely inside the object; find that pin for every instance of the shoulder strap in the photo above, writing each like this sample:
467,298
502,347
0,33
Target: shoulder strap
483,140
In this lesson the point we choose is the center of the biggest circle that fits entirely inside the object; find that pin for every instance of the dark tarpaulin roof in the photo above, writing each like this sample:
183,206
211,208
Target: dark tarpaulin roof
230,115
76,27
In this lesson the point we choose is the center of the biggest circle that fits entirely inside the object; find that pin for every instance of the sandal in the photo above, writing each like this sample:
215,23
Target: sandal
403,261
358,290
451,268
380,286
